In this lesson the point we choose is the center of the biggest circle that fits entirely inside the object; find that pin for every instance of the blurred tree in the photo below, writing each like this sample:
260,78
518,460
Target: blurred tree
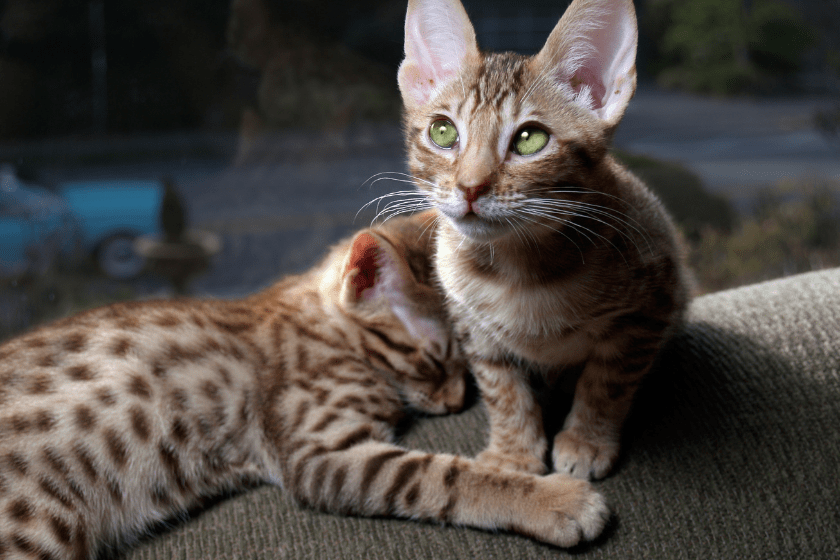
726,46
307,76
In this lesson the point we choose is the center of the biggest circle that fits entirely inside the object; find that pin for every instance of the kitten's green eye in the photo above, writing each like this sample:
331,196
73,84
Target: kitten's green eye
529,140
443,133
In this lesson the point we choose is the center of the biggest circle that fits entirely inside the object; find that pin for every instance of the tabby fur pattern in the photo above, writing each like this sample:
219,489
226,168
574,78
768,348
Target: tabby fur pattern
555,259
127,415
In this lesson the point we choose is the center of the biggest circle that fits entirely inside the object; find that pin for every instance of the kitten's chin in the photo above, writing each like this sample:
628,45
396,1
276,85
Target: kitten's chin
477,228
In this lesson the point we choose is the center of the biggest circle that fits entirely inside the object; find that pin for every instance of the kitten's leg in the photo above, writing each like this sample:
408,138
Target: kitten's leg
517,438
588,445
375,478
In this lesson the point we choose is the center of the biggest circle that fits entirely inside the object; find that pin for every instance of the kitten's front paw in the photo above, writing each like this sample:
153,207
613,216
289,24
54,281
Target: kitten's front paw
568,511
508,461
583,457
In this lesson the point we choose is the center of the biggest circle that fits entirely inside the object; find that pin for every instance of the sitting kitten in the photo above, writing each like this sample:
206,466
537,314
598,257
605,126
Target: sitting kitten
119,417
552,256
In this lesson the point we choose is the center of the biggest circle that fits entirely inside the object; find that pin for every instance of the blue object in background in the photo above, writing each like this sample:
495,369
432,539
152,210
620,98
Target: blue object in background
98,218
111,214
36,227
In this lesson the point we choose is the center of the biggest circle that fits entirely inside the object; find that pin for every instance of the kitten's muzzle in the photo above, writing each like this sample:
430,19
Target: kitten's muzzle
472,193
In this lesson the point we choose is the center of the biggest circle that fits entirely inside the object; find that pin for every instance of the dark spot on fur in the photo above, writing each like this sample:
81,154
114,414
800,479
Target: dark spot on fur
116,447
47,360
19,423
36,342
28,547
180,430
167,321
41,383
61,529
211,390
139,387
106,396
85,460
128,323
52,489
121,347
44,421
55,460
318,476
85,418
140,423
451,476
75,342
171,462
158,370
20,510
80,372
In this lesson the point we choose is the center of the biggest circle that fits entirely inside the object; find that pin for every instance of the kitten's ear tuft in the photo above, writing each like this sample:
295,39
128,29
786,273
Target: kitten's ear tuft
438,39
592,54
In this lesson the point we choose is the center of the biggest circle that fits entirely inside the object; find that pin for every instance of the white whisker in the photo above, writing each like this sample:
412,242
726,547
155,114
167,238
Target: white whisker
576,226
594,212
379,199
402,176
583,260
395,208
432,223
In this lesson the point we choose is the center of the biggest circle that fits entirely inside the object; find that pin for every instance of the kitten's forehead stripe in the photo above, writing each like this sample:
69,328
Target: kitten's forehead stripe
499,77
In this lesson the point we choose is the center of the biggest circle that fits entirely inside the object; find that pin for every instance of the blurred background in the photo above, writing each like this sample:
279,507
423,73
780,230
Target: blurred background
237,139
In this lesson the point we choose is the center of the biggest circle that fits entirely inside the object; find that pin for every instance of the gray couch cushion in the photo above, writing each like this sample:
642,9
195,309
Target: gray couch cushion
733,451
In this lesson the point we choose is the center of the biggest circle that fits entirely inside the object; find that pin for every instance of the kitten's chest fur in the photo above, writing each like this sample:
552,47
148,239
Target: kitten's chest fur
549,304
525,317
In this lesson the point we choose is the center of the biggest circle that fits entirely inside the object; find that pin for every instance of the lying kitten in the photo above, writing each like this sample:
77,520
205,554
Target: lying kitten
119,417
553,256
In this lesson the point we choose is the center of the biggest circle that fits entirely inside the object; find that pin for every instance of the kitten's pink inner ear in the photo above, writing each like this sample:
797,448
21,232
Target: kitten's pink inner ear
592,50
438,37
363,255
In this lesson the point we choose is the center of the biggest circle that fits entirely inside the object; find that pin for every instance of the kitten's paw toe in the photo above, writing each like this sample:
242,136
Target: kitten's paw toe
507,461
574,511
582,457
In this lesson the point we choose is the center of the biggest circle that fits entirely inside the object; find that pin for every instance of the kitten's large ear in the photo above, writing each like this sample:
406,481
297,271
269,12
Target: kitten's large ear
370,271
438,38
375,276
592,54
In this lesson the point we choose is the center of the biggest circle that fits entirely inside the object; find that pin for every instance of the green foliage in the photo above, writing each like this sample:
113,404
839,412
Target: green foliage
795,228
725,46
777,37
682,192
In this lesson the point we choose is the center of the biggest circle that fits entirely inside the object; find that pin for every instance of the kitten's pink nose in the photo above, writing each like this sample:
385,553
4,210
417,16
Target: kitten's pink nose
471,193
